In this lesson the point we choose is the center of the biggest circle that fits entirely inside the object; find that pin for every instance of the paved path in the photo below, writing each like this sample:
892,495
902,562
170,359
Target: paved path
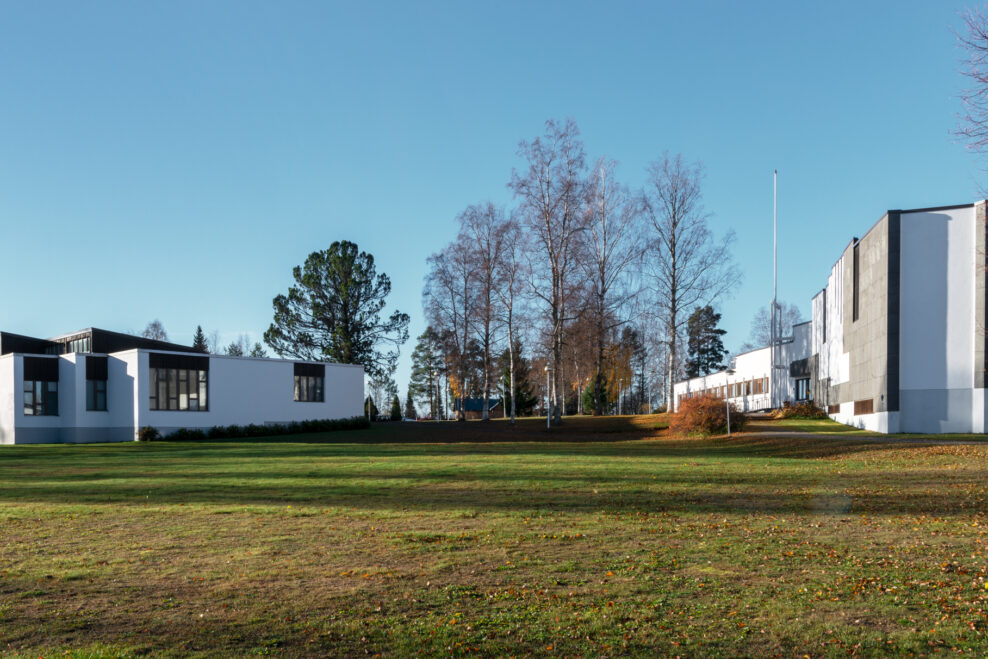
767,431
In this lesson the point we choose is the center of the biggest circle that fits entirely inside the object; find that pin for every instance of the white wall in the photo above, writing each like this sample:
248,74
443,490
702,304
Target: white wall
748,366
245,390
937,327
242,391
7,418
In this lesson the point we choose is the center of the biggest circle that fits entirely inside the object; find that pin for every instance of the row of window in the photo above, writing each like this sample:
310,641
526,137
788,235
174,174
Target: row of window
732,390
170,389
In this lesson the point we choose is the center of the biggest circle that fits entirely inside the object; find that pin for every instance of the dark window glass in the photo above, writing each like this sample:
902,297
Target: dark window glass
178,389
96,395
40,398
309,389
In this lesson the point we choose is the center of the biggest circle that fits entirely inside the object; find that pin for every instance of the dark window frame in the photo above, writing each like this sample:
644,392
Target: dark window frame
96,395
43,397
167,384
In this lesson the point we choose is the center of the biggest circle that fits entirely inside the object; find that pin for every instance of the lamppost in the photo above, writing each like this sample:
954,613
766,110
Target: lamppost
548,404
727,401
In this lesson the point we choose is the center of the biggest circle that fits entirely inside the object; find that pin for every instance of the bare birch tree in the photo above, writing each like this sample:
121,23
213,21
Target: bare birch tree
550,191
483,227
974,122
450,297
689,267
612,245
509,276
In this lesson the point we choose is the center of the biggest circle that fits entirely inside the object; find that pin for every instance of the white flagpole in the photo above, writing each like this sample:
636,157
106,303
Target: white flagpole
775,285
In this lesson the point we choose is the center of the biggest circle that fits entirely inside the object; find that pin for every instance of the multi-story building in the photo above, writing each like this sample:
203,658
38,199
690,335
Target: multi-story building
100,386
897,341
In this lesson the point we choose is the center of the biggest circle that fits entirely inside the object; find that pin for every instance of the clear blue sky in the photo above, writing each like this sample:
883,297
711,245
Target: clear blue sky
176,160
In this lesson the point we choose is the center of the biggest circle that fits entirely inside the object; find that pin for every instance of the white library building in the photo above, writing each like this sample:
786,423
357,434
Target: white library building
897,339
100,386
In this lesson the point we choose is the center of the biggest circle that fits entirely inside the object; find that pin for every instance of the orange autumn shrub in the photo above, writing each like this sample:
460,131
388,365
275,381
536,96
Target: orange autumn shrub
705,415
802,410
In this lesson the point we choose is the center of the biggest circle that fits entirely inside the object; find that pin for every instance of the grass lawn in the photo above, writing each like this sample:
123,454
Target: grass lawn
623,542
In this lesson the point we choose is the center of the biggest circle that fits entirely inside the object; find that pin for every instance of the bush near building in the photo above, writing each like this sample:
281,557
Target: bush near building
802,410
705,415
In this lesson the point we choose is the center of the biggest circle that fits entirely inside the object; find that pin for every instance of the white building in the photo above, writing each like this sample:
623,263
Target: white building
99,386
897,341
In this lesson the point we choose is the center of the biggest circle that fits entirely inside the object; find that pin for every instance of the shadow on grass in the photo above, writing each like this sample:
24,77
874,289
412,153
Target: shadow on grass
740,475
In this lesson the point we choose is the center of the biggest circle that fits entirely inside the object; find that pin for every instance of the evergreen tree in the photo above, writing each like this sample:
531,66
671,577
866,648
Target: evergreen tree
333,312
395,408
258,351
428,370
370,409
410,412
705,348
235,349
199,342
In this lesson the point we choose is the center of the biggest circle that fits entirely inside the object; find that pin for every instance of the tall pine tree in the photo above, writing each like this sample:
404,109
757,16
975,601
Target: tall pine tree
705,348
199,343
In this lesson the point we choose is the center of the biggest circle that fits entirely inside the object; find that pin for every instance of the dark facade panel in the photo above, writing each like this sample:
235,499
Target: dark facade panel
170,360
313,370
25,344
892,314
800,368
106,341
44,369
96,368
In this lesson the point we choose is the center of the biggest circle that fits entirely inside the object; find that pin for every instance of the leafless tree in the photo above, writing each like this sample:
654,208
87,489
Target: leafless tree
550,195
689,267
509,276
483,227
155,330
974,122
613,244
450,298
761,325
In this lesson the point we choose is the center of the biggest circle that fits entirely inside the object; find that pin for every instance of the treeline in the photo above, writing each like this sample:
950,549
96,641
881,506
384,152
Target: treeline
578,296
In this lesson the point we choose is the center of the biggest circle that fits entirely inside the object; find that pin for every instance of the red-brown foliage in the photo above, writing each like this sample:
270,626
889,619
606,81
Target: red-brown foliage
705,415
803,410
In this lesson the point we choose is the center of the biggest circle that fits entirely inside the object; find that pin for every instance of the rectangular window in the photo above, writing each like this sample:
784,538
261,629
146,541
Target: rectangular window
309,380
96,376
40,386
40,398
803,389
864,406
96,395
178,389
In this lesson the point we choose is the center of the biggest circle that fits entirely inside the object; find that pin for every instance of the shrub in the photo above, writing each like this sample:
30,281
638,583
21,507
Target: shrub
148,434
255,430
705,415
802,410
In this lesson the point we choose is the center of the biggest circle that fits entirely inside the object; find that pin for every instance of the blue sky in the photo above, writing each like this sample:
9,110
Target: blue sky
176,160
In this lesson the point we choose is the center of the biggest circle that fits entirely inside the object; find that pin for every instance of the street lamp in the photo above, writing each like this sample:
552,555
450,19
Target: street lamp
548,405
727,401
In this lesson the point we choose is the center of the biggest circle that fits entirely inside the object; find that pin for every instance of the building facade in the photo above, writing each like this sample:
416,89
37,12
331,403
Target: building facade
897,341
98,386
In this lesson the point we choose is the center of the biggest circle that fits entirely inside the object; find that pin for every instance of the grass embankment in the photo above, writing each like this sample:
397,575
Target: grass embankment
753,546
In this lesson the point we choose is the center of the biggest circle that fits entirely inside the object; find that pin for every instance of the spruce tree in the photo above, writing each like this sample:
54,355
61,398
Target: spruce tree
705,350
199,343
395,408
410,412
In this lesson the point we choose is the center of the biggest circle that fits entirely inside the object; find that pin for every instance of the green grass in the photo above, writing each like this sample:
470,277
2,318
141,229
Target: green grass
636,545
821,426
